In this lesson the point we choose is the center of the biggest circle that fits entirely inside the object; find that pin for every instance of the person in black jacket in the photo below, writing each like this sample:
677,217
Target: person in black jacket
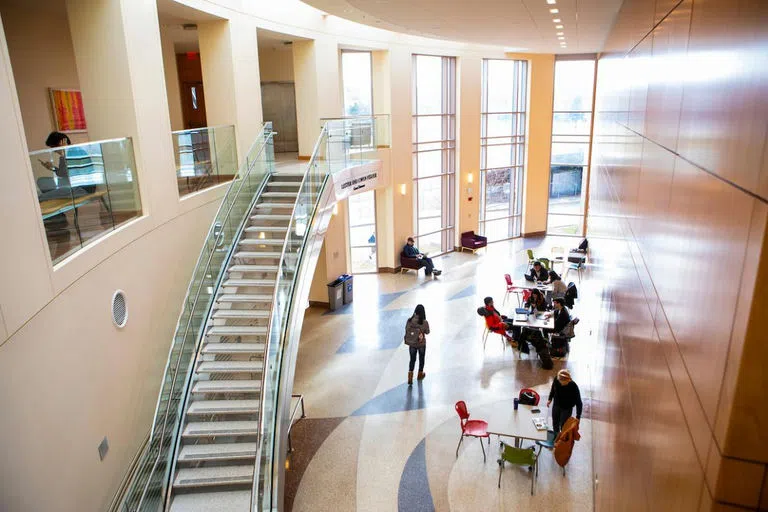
565,394
539,273
562,317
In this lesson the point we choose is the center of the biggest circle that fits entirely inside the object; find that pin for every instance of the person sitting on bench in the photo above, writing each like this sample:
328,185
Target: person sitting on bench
538,272
412,251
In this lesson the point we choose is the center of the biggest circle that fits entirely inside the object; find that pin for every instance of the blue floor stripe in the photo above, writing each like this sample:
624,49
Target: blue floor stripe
414,494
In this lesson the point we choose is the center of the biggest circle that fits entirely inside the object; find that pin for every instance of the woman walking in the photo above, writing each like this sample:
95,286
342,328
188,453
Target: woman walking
416,330
565,394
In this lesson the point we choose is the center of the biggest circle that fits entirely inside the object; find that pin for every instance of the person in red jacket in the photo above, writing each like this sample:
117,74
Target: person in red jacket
495,321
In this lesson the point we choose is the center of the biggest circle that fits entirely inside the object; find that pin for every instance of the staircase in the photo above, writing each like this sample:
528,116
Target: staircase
218,445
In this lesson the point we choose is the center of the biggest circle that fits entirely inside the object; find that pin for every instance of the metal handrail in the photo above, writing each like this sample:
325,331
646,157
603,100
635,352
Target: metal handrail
218,237
260,438
80,145
190,130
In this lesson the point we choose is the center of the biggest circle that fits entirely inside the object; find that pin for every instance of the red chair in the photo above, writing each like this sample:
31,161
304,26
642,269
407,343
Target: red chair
526,295
471,428
510,289
536,397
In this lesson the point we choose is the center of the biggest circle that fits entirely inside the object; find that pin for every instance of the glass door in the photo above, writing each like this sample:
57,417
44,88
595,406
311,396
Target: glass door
361,209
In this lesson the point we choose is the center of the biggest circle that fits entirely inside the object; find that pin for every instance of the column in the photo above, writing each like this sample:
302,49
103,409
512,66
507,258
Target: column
119,63
229,56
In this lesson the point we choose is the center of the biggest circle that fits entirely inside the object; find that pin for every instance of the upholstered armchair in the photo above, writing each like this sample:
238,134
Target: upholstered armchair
408,263
472,242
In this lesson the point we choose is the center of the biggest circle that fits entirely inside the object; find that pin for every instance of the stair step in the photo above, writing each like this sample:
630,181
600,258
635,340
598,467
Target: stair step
269,216
226,386
262,241
215,451
236,330
233,348
229,283
230,367
223,407
222,501
228,297
252,268
266,229
275,205
252,254
278,194
241,313
294,184
208,476
221,428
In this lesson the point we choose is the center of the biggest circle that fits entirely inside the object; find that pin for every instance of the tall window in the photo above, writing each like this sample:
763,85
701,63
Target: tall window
502,147
362,232
571,138
357,80
434,151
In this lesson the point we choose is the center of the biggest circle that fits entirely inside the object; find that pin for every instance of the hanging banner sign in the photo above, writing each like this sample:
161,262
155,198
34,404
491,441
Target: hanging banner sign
362,177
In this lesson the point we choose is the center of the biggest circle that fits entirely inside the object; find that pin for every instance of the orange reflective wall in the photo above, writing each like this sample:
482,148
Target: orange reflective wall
677,226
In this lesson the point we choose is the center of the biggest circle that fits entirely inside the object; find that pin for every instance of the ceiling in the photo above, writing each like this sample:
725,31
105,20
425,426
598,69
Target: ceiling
520,25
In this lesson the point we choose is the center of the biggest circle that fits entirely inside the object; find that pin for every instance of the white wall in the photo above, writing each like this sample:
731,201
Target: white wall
276,63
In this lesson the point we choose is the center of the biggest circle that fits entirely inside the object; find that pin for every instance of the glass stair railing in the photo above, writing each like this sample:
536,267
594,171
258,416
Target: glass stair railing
220,431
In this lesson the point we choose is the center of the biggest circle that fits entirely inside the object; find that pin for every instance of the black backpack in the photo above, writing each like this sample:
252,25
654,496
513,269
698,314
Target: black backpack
527,398
571,294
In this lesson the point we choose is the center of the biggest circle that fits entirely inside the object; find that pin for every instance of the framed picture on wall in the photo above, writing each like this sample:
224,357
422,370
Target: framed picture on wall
68,110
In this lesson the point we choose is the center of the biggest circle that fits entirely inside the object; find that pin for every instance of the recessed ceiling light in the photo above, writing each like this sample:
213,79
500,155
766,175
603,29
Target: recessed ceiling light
561,33
556,20
554,11
561,37
558,26
551,2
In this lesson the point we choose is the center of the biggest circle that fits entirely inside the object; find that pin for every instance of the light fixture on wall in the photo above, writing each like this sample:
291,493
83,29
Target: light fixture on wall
554,11
556,20
470,178
558,27
402,189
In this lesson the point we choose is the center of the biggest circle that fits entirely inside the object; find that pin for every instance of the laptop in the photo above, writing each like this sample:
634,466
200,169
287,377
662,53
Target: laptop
521,315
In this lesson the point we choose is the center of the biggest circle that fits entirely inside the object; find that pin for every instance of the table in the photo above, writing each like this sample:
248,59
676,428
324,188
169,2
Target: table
530,285
508,422
537,321
53,207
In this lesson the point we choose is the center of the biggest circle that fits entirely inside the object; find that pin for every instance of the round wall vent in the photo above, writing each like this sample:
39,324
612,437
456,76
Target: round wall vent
119,309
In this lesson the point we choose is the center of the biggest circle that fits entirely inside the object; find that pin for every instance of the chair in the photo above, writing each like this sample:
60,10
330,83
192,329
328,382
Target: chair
409,263
577,267
566,335
531,258
472,242
511,289
549,444
558,256
521,457
536,397
471,428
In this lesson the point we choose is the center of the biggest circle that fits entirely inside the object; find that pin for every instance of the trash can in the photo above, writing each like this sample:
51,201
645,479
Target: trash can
336,294
348,288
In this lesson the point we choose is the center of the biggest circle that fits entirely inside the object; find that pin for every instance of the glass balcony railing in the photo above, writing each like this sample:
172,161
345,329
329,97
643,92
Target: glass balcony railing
204,157
149,483
85,191
342,143
354,140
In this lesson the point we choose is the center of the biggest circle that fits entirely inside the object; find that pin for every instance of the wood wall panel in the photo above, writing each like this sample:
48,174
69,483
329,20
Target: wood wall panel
677,222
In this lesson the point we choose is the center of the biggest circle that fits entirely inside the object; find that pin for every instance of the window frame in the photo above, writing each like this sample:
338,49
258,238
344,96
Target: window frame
447,148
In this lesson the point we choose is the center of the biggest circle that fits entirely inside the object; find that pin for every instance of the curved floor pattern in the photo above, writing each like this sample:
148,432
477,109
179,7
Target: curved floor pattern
373,443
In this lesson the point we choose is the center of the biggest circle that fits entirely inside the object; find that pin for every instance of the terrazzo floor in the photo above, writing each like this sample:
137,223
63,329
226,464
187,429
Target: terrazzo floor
372,443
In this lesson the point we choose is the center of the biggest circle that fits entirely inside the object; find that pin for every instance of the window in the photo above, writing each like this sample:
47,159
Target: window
571,138
357,79
434,151
502,147
362,232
